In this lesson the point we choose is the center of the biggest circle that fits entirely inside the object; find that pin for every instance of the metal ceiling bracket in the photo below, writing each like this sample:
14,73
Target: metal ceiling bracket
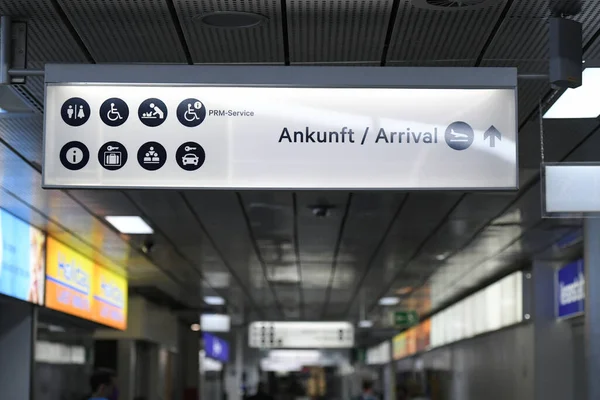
13,52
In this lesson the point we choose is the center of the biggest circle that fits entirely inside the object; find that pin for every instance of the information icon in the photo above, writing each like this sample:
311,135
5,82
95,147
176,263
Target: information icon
152,112
114,112
191,112
152,156
75,111
190,156
74,156
459,135
112,156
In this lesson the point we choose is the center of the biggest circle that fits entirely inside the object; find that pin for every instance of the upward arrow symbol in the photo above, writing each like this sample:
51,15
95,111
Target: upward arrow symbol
492,133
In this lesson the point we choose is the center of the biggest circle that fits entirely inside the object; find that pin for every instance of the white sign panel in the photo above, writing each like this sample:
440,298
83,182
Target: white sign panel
215,322
571,190
355,134
381,354
301,335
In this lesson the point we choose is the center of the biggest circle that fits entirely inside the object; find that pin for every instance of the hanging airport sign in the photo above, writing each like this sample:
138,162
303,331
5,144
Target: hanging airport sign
129,126
570,290
571,190
301,335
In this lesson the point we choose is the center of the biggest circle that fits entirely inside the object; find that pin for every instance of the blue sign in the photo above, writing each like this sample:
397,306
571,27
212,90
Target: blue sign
22,261
216,348
570,290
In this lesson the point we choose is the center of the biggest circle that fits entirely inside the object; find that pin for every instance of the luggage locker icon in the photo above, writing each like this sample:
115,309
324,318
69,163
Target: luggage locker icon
112,157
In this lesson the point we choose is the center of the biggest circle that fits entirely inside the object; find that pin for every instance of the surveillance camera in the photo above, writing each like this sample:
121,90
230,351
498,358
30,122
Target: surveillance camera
148,246
320,211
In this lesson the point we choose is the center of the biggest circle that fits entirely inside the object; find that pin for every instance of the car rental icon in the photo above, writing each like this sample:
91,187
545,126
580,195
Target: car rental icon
190,158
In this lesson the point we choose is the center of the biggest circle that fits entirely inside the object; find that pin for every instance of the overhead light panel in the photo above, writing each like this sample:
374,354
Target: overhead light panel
365,324
389,301
215,322
214,300
131,225
580,102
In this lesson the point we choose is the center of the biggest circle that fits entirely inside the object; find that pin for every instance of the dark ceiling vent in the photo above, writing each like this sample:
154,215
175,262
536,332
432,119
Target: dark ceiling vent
453,4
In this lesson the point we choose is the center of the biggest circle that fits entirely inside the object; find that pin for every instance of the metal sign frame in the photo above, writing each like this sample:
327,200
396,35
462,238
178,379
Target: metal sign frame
287,77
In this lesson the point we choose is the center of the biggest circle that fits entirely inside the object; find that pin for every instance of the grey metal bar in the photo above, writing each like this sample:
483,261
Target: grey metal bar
26,72
5,52
534,76
284,76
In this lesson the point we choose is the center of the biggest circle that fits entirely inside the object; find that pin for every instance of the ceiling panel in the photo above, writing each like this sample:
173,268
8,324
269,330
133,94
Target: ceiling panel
261,44
25,134
330,31
126,31
404,241
229,234
433,36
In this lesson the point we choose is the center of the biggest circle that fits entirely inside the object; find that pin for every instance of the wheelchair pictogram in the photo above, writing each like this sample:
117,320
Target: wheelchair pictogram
114,112
191,112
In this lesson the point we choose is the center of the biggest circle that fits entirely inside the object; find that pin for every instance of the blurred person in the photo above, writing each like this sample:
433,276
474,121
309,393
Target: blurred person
103,383
367,391
261,393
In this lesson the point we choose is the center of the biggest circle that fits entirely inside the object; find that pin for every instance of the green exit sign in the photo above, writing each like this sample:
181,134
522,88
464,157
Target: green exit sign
405,319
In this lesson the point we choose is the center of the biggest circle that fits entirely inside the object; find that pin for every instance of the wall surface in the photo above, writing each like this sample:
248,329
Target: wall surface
16,353
496,366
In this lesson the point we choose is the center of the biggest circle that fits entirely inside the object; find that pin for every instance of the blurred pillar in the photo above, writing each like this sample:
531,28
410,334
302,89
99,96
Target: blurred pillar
592,305
17,340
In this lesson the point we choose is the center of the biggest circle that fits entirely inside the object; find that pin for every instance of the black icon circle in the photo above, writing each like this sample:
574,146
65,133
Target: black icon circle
75,111
191,112
459,135
152,112
190,156
112,156
152,156
114,112
74,156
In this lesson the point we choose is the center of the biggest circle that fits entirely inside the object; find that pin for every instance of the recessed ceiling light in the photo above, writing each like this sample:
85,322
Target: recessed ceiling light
441,257
130,225
389,301
195,327
232,19
214,300
579,102
365,324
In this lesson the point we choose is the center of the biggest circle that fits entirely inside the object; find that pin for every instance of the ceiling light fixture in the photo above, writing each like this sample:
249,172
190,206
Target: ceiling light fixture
365,324
579,102
195,327
441,257
389,301
130,225
214,300
404,290
231,19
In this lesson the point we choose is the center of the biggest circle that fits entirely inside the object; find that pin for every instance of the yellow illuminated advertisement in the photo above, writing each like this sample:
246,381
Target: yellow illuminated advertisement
110,299
76,285
68,280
